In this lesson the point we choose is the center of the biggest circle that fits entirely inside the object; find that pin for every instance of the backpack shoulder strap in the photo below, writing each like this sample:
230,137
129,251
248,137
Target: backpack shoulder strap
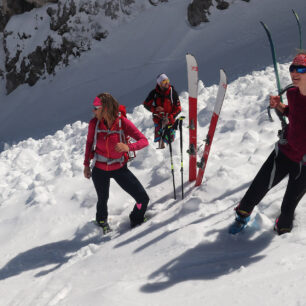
155,95
171,95
94,144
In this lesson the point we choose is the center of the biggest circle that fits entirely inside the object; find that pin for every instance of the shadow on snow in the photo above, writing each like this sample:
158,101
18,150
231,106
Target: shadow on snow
154,227
56,253
210,260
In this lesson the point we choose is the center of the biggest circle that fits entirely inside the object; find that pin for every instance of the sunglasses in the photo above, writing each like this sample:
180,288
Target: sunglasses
97,107
298,69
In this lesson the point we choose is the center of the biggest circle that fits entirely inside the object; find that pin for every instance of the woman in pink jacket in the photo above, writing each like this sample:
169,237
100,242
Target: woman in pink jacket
107,147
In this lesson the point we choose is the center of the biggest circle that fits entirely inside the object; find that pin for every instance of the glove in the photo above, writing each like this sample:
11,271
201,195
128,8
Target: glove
165,121
171,119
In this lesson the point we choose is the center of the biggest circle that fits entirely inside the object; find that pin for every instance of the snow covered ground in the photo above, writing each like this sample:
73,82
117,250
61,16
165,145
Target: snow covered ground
51,253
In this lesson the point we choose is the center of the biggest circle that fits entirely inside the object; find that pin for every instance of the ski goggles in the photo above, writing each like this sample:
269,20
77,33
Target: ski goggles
298,69
165,81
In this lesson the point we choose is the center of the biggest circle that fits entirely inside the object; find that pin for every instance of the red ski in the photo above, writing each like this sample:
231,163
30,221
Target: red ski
212,127
192,74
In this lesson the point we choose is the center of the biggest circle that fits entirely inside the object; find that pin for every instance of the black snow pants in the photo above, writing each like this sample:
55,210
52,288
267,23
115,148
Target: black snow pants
295,190
128,182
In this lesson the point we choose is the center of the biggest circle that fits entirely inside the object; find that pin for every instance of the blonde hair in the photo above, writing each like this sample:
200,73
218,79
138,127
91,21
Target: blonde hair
110,106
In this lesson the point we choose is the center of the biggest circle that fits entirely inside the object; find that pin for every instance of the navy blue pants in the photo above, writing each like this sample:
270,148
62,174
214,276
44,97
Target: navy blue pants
128,182
295,190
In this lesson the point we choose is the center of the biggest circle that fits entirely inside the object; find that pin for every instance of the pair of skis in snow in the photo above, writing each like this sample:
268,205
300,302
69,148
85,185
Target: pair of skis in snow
192,74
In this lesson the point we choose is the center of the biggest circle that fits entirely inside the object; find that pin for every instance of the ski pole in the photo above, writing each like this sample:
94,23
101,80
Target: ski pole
181,149
161,145
171,158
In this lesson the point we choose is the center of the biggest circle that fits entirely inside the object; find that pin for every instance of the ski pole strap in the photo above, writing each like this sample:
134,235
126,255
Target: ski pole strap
300,166
269,113
272,176
285,89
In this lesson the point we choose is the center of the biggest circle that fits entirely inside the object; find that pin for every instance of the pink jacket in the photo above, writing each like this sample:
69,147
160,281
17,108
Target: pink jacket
106,143
295,149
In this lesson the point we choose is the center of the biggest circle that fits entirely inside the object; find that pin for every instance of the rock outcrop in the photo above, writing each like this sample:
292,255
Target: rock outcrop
70,27
15,7
198,10
69,37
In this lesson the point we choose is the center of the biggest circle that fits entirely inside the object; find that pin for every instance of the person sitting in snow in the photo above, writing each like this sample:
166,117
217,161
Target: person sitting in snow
106,146
288,158
164,103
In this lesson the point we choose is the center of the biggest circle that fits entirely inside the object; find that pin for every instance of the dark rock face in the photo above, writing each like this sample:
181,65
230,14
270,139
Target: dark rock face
156,2
44,59
4,18
222,5
60,18
72,30
15,7
19,7
14,79
198,10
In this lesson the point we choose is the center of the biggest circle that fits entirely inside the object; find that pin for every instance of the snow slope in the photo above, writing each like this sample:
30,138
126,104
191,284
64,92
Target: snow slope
51,253
155,41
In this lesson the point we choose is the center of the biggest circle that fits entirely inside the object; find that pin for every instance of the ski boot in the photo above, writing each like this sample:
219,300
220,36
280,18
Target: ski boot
138,221
239,224
105,226
281,230
137,216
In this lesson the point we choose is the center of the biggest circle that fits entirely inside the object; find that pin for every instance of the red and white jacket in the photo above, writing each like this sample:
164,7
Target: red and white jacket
106,142
168,99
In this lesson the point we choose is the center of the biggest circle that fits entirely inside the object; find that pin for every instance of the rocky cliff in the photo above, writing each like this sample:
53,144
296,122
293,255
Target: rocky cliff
39,36
51,35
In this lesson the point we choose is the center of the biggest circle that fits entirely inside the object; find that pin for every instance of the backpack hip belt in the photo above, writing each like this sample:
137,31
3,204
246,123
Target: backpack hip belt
107,160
